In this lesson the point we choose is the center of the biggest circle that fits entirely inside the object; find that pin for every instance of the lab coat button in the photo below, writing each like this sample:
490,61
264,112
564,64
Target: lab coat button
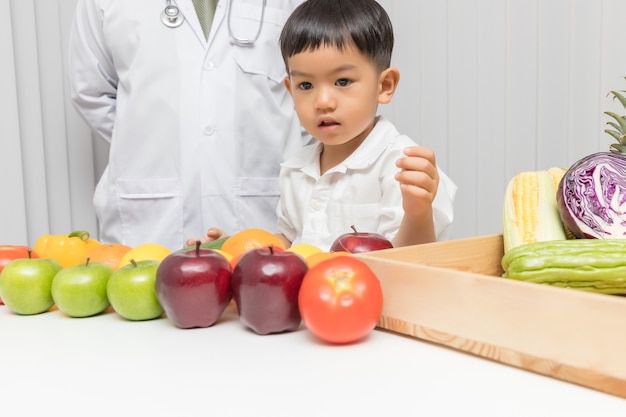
208,66
208,130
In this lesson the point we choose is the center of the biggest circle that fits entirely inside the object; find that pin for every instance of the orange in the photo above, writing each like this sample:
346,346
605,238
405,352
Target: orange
318,257
145,251
234,260
108,253
251,238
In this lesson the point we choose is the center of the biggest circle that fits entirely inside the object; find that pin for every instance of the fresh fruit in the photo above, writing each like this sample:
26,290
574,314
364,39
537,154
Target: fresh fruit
10,252
226,255
530,213
68,250
319,257
248,239
108,253
25,285
304,249
355,242
265,286
340,300
131,291
81,290
234,259
194,287
143,252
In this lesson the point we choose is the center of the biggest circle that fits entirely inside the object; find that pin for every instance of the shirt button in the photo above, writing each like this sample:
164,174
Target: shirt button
316,205
209,66
208,130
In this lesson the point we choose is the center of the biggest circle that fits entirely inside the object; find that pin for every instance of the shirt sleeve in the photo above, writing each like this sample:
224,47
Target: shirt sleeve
92,76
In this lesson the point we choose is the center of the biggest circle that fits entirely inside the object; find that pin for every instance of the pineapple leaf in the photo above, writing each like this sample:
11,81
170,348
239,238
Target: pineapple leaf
616,135
616,148
620,97
619,119
615,126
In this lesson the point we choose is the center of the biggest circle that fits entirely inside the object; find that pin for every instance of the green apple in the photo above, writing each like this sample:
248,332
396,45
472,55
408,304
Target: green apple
81,290
25,285
131,291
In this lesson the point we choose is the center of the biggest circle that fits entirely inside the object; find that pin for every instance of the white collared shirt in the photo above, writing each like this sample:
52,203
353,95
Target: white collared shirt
360,191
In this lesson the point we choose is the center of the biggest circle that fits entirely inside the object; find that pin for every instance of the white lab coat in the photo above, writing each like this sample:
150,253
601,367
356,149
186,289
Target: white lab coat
197,129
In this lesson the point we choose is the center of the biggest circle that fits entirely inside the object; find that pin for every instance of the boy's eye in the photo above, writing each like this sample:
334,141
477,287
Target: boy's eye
305,86
343,82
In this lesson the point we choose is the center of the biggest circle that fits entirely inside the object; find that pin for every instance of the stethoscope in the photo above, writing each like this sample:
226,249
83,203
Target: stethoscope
173,18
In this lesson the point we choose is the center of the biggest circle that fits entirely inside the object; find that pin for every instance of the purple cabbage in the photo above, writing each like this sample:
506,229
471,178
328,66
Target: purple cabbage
591,197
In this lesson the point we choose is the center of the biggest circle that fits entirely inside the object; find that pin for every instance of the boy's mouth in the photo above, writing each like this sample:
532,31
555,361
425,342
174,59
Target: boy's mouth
327,122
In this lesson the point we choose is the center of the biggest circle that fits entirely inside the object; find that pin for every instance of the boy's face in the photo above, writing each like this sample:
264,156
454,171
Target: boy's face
336,93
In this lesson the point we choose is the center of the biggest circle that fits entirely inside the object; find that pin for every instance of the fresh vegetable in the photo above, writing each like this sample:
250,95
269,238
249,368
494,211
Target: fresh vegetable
67,250
340,299
597,265
591,196
530,213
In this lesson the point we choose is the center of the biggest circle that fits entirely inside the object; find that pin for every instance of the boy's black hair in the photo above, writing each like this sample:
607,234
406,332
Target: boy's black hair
339,23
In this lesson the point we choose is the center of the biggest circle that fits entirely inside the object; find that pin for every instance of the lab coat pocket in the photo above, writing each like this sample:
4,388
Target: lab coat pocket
264,56
257,199
151,210
364,217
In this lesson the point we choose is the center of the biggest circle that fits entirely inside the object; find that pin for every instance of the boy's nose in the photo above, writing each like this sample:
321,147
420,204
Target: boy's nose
325,99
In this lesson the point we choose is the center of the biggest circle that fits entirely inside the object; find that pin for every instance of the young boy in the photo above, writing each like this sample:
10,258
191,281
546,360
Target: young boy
361,172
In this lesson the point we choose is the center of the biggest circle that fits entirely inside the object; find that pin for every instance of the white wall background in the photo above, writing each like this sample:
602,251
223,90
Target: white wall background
494,86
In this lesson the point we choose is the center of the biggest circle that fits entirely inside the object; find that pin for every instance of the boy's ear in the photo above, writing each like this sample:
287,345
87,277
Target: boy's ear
387,84
287,83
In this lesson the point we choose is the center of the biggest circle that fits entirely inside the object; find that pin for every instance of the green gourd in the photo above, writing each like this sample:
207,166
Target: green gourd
596,265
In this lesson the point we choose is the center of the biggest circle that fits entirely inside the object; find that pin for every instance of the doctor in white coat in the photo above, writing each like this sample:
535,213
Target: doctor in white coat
197,127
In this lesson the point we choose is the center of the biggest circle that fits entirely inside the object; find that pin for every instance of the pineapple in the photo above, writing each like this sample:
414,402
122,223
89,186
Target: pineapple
619,125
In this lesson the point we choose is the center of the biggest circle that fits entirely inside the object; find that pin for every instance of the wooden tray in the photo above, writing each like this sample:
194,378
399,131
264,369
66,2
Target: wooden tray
451,293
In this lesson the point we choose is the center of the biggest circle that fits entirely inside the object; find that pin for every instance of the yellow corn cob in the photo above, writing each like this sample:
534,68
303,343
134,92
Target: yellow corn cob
557,174
530,212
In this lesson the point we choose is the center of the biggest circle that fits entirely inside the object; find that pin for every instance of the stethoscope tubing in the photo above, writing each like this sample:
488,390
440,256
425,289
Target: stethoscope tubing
173,18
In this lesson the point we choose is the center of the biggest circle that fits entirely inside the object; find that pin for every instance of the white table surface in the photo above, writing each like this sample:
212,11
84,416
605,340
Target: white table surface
51,364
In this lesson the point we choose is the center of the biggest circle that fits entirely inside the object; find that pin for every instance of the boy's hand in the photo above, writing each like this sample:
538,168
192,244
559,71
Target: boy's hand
418,180
212,234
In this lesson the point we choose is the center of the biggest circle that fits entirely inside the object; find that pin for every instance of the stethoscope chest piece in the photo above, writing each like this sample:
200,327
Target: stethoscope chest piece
171,16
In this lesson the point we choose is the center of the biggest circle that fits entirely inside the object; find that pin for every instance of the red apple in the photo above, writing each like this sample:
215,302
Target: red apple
193,287
265,285
355,242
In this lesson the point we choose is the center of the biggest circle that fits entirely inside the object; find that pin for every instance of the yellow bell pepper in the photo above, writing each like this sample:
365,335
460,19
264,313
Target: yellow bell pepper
68,250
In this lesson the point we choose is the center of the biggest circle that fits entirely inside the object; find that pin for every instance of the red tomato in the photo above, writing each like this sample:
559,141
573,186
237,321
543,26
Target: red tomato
10,252
340,299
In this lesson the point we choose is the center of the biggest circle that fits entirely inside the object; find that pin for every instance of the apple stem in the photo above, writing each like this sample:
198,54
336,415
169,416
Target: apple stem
132,261
353,228
198,243
271,248
87,261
